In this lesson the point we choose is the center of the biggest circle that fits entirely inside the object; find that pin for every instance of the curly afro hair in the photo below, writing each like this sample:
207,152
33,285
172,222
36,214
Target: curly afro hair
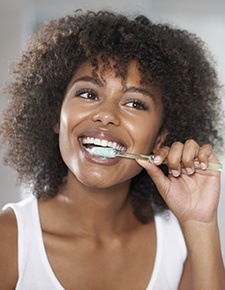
174,61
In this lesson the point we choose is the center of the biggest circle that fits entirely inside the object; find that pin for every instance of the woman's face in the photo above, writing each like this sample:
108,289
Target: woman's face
104,110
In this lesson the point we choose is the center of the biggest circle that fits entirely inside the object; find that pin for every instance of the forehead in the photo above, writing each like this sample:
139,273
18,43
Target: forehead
109,69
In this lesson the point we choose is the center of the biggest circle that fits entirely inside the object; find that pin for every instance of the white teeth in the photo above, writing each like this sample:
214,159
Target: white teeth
97,142
103,143
114,145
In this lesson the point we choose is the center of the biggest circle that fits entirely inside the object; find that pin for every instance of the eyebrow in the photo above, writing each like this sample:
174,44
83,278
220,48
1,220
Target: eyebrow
89,79
142,91
132,89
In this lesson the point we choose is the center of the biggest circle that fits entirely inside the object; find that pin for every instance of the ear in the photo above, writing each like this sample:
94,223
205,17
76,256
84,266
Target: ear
160,139
56,128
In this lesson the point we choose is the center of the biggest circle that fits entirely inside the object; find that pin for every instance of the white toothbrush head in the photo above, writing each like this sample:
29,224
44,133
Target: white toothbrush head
105,152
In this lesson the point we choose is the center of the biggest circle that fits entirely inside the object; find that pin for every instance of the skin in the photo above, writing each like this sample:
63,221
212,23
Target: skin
109,110
90,222
193,196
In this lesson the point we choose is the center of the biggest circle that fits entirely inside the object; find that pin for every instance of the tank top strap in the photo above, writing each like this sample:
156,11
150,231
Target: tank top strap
34,269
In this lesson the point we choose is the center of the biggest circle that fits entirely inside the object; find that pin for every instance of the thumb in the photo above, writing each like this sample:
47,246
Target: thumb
161,181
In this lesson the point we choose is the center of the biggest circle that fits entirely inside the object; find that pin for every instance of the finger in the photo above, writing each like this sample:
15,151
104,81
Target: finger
174,158
204,154
190,152
161,181
160,155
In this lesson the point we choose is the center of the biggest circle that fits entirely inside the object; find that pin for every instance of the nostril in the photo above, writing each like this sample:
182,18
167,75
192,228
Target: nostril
106,116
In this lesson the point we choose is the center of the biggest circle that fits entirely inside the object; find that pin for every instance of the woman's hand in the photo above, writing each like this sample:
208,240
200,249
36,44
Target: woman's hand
192,194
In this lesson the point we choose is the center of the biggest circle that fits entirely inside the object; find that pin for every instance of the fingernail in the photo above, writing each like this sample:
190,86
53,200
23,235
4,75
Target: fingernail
203,166
189,170
175,173
157,159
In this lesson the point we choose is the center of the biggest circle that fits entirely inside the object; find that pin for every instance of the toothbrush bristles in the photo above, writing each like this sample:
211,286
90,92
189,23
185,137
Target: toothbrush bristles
105,152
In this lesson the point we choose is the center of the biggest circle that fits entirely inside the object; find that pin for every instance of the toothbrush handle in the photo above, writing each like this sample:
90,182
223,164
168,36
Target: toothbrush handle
135,156
213,165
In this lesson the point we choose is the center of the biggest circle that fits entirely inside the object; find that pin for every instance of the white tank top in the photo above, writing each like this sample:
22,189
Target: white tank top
35,272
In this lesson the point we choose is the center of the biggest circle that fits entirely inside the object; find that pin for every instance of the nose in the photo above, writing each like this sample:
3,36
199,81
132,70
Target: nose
107,115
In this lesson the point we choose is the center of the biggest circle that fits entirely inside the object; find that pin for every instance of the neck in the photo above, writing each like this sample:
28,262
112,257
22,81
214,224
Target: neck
98,211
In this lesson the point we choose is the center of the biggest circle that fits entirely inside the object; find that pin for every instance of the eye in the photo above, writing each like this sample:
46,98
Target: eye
87,94
137,104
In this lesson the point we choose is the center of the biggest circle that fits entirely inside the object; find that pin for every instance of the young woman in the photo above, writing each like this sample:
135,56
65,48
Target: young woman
103,80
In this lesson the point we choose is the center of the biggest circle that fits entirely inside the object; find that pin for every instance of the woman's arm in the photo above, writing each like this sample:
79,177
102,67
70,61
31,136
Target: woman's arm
204,268
8,250
193,196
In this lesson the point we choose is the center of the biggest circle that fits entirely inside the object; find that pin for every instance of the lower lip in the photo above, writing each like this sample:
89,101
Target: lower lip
97,159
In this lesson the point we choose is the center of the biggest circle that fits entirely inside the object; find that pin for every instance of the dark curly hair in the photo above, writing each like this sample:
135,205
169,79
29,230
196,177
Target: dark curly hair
174,61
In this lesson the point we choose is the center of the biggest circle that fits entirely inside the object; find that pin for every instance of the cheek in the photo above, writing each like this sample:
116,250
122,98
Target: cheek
69,119
144,133
71,116
145,143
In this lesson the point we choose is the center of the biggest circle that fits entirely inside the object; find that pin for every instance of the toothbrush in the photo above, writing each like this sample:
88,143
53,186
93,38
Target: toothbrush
107,152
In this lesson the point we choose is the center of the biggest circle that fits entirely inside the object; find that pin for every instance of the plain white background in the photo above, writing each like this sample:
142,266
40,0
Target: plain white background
18,19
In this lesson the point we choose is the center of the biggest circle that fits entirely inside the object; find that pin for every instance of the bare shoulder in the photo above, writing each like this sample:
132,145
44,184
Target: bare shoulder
8,250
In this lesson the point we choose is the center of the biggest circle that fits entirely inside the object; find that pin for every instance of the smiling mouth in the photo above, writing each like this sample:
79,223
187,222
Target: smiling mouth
91,142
